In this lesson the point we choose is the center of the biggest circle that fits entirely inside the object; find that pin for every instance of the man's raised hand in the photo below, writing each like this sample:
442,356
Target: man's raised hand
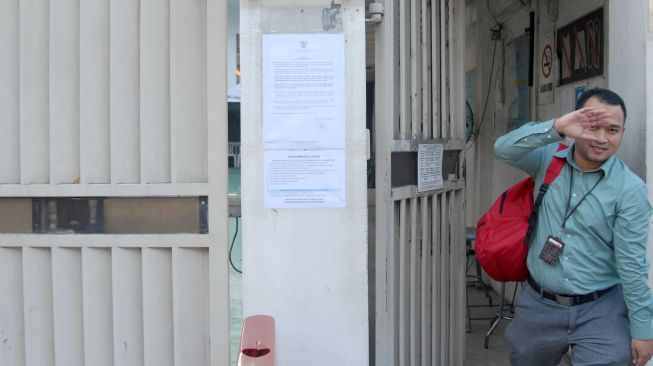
576,123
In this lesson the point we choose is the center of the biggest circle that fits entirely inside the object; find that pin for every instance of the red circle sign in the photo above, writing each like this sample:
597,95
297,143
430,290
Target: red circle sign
547,61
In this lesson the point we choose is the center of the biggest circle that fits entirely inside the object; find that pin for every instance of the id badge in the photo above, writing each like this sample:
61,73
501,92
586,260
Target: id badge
551,251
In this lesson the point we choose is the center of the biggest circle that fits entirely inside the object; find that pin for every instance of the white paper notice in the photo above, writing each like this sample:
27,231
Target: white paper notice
429,167
305,178
304,91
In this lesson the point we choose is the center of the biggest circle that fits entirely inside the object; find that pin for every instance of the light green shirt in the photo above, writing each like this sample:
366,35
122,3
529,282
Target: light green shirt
605,238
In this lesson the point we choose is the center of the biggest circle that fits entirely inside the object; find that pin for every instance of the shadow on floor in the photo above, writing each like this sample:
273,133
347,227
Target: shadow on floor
482,312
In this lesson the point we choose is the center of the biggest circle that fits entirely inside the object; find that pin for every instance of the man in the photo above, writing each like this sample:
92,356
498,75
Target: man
588,281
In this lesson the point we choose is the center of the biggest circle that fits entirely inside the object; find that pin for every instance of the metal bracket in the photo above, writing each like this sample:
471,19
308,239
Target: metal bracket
376,13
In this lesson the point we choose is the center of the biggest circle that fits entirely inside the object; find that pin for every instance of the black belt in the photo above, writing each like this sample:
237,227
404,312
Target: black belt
568,300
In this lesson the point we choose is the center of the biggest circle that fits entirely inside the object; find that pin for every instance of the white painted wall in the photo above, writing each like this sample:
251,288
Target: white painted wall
306,267
626,72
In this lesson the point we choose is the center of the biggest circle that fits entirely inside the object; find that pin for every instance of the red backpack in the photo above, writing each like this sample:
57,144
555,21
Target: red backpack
503,233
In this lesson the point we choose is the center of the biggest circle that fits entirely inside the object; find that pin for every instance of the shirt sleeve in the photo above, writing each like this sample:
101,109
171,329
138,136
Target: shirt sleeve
630,239
521,148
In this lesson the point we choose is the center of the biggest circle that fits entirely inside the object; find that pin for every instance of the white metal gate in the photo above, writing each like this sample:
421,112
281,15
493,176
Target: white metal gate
420,262
114,98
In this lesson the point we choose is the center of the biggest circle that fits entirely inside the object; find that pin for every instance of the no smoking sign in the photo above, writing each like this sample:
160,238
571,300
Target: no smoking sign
545,82
547,61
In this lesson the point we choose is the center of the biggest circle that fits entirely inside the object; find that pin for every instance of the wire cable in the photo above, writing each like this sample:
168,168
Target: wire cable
231,247
487,3
487,97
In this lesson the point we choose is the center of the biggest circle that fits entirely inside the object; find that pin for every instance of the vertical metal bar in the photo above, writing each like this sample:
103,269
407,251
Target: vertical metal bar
404,289
444,280
444,77
97,305
155,91
157,307
216,141
37,292
404,69
64,92
124,91
387,211
436,279
127,285
459,243
190,276
188,103
426,303
94,128
395,283
33,91
415,70
67,306
12,306
455,53
458,72
426,71
414,282
9,93
436,50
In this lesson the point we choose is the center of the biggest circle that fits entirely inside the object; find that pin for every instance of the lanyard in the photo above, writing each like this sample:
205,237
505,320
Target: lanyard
571,183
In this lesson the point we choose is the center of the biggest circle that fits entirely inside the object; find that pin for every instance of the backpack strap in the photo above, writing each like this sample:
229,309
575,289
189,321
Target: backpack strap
552,172
556,165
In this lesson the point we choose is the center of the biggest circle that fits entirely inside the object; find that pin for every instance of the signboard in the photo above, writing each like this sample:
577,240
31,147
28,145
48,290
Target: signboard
304,120
304,91
546,76
581,48
305,179
429,167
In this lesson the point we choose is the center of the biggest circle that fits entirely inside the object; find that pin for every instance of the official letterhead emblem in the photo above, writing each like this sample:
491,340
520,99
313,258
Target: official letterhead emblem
303,43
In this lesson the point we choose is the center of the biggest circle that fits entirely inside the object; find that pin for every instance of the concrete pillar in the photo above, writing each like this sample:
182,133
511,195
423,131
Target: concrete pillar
306,267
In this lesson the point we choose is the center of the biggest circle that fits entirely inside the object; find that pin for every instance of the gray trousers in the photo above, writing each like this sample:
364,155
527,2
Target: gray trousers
543,330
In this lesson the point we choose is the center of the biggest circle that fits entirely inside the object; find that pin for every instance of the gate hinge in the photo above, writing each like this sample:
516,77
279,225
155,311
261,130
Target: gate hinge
376,13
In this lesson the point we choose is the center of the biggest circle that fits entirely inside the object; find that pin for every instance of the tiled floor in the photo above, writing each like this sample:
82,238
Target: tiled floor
475,352
497,353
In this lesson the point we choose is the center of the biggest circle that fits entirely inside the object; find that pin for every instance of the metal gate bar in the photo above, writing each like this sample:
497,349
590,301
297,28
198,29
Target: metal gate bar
420,298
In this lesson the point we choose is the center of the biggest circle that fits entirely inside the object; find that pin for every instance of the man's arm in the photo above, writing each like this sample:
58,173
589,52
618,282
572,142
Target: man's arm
630,240
519,148
630,237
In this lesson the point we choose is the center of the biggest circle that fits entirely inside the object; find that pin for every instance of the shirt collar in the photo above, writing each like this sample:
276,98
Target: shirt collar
568,154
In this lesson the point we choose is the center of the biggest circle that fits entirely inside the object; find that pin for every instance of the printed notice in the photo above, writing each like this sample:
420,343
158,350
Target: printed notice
429,167
303,91
304,179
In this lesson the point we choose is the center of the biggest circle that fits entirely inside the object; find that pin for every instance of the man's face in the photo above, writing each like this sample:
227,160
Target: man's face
590,154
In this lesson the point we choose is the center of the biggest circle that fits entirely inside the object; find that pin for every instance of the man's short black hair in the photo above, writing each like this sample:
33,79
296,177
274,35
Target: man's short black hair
606,96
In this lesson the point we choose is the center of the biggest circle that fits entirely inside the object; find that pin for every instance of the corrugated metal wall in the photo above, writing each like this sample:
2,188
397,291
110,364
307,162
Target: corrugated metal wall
101,91
114,98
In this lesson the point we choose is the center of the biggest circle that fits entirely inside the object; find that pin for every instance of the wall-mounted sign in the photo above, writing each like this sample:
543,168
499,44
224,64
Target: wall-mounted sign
303,91
429,167
546,77
581,48
305,179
